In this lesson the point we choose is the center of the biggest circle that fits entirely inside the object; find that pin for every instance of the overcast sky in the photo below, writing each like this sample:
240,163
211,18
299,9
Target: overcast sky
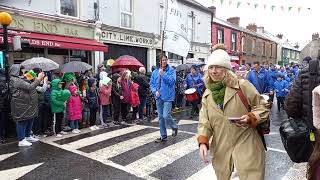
295,26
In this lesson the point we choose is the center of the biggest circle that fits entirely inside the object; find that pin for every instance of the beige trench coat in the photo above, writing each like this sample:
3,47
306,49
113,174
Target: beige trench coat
230,144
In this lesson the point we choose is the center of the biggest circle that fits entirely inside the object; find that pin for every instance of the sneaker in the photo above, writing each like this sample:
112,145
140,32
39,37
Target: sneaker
63,133
24,143
105,125
75,131
96,127
2,140
32,139
161,139
92,128
59,135
117,123
174,132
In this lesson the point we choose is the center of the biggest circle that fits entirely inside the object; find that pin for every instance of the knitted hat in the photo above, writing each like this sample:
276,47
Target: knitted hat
30,75
68,76
91,81
219,57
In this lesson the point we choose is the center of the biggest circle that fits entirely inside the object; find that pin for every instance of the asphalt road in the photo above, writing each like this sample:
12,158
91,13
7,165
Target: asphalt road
129,152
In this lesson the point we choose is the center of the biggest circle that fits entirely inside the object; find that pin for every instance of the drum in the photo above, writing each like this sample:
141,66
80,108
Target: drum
191,94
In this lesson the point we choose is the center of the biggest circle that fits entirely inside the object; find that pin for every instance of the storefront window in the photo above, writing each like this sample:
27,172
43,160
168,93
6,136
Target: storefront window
69,7
126,9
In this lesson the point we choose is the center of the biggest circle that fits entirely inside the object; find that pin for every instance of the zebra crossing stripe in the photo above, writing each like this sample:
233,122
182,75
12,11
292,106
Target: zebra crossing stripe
205,173
16,173
124,146
6,156
153,162
101,137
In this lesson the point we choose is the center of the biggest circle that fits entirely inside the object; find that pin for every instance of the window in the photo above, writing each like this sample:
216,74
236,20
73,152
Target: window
69,7
253,46
190,55
191,26
264,48
234,42
220,36
174,56
126,9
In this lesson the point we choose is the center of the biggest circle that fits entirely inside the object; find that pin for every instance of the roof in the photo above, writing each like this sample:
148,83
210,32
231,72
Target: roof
196,5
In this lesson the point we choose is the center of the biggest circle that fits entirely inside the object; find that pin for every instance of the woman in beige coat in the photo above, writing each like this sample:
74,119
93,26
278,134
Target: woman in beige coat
224,118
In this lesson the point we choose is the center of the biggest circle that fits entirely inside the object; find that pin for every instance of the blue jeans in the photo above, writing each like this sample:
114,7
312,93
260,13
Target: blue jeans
143,101
23,128
165,118
74,124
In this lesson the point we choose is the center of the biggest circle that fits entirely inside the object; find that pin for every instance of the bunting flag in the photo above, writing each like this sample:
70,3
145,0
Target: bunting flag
238,4
299,9
256,5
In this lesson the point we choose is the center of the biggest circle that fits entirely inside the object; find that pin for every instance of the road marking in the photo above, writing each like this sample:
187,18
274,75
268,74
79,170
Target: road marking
101,137
6,156
153,162
185,122
124,146
277,150
16,173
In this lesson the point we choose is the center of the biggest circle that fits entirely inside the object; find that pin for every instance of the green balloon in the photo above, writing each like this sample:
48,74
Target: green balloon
65,94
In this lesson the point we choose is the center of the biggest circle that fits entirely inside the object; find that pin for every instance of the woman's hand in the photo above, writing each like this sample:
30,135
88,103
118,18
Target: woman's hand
203,153
243,121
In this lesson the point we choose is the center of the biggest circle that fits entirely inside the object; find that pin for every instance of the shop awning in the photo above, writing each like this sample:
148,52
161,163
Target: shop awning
53,41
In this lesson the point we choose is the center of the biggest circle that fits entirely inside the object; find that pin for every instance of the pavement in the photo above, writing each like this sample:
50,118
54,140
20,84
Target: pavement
129,152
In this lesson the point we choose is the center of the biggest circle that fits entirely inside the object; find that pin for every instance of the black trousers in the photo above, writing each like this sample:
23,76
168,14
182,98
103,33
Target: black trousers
134,113
124,111
280,102
2,123
43,121
93,115
58,122
105,112
179,100
116,105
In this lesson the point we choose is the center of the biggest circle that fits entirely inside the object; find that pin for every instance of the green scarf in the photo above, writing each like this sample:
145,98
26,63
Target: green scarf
218,90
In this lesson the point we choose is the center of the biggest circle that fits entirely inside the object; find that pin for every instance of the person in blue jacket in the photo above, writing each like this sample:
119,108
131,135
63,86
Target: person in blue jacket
296,71
259,77
272,78
281,89
162,85
194,80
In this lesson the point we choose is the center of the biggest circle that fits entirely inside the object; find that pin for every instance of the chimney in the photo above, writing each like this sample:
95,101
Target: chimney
252,27
296,46
213,10
279,36
315,36
261,29
234,20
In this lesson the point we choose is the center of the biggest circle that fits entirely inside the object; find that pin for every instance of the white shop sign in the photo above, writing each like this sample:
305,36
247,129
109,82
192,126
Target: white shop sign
126,38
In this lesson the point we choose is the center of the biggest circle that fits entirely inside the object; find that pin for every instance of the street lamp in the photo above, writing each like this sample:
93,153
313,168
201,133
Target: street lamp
5,21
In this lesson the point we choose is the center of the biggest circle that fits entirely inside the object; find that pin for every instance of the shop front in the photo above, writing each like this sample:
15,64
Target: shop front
128,42
53,38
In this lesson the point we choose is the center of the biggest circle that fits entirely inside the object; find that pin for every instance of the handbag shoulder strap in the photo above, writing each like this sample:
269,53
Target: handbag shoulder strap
313,72
243,98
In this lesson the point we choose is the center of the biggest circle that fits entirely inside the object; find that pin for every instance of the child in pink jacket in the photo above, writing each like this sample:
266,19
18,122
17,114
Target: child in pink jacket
135,101
74,109
104,95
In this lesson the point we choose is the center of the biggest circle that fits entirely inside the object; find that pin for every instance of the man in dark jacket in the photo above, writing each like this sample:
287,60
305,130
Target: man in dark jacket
3,100
143,90
24,103
298,102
